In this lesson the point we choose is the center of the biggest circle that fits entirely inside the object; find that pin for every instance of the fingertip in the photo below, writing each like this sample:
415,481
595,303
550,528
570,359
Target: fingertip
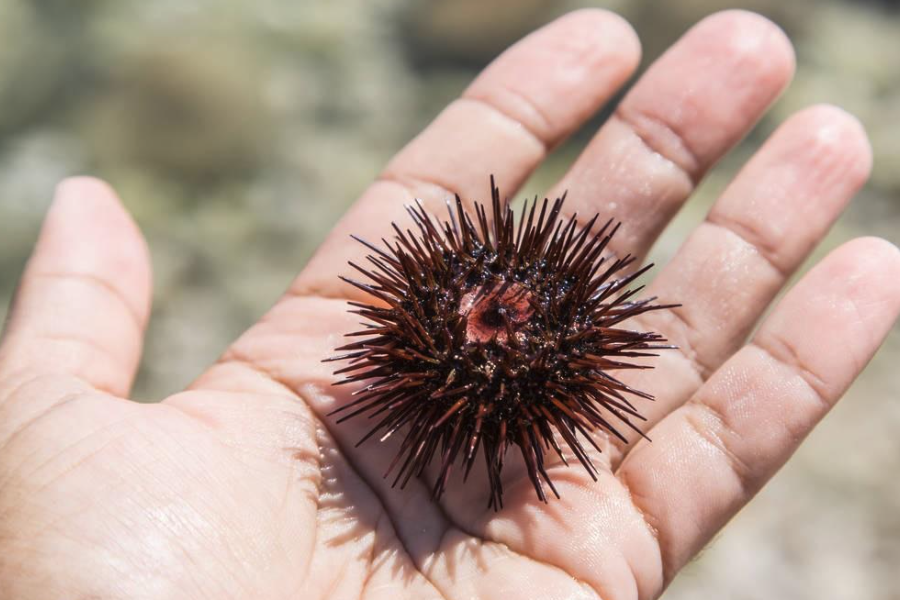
92,201
756,41
863,254
834,135
84,187
605,30
830,153
838,131
88,230
874,263
852,295
558,76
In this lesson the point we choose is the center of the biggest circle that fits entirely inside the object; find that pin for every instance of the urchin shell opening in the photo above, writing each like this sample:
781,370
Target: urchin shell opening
496,310
487,334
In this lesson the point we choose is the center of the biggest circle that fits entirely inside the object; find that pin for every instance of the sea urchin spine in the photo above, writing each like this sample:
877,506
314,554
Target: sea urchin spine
484,335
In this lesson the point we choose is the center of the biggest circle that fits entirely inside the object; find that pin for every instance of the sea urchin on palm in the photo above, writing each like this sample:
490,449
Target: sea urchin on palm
484,335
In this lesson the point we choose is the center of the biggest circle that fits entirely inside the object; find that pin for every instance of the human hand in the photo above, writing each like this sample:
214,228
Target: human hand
240,486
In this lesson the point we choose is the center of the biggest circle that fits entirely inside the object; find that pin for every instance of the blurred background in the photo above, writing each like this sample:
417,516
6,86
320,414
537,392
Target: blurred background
238,132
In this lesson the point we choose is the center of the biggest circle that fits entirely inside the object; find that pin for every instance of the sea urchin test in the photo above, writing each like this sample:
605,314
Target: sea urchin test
483,334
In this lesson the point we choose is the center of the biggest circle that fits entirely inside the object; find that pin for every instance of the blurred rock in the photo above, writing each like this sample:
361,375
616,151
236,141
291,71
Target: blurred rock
32,62
192,111
470,32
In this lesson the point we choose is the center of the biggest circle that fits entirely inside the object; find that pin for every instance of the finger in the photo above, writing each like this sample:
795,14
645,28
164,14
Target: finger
685,112
525,102
755,236
84,298
711,456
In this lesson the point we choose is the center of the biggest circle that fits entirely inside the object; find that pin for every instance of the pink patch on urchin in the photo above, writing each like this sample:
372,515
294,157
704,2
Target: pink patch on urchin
494,310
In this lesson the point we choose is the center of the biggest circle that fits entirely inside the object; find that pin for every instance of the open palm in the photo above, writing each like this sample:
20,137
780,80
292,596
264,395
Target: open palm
241,486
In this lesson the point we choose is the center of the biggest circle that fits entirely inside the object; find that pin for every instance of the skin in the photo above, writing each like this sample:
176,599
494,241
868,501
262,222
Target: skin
240,487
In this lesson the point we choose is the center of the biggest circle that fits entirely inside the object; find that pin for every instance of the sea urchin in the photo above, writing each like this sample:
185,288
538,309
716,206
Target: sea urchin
484,335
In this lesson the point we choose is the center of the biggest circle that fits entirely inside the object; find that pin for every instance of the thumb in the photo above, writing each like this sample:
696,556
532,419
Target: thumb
84,299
